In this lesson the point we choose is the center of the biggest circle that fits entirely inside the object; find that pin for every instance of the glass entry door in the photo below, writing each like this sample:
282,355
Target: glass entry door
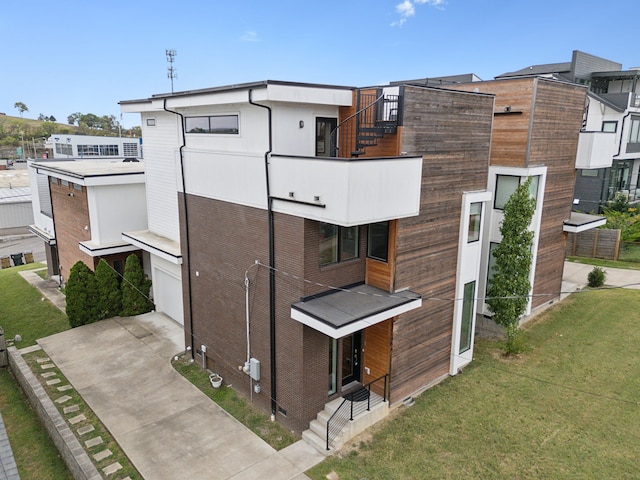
325,145
350,360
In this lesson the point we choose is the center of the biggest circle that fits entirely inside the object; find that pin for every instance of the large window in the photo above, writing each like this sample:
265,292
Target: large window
475,218
98,150
466,328
506,185
64,149
378,241
337,243
218,124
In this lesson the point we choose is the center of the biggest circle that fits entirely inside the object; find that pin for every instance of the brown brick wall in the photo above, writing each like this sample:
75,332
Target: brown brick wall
70,216
225,239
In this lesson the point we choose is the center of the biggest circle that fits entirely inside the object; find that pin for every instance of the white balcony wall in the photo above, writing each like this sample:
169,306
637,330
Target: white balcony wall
595,150
114,209
352,192
40,220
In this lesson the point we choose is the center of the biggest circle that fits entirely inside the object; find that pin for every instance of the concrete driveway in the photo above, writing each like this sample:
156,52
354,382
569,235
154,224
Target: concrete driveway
166,426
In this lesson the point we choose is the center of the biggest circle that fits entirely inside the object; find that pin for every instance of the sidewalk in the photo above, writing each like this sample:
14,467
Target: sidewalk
49,288
575,277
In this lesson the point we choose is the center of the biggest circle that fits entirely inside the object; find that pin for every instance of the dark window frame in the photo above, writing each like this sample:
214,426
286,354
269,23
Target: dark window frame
372,249
338,249
233,129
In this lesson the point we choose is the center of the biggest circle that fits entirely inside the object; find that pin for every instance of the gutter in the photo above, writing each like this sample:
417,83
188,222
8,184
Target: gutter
186,223
272,255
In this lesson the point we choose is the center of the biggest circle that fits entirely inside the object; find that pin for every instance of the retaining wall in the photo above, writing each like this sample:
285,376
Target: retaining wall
68,445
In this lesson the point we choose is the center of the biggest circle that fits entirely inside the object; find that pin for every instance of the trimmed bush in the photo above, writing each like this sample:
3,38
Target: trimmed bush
81,296
135,288
109,293
596,277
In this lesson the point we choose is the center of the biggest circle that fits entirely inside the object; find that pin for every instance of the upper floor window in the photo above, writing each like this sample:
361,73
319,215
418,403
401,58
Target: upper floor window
378,241
218,124
634,134
609,126
337,243
475,217
64,149
506,185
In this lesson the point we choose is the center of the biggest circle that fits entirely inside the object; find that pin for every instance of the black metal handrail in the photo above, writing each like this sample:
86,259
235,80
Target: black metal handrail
347,411
369,123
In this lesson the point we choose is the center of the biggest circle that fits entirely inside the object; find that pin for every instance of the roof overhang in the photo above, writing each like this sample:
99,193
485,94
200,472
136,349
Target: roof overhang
155,244
95,250
46,236
580,222
340,312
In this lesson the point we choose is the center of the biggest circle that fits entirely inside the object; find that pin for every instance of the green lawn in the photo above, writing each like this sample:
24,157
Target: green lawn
22,310
568,408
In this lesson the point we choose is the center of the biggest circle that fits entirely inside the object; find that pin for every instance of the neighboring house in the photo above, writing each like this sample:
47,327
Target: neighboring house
94,147
330,236
69,148
536,128
90,204
608,158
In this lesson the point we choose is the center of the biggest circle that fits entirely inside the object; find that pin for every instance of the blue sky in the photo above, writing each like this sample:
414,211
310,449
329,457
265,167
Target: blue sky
85,56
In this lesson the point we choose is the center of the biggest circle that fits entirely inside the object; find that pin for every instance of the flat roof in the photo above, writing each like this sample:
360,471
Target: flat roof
580,222
92,172
341,312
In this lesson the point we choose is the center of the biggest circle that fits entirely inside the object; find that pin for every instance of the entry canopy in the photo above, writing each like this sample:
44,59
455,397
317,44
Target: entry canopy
580,222
340,312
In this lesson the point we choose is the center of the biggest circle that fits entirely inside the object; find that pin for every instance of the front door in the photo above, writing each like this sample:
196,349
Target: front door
350,364
325,143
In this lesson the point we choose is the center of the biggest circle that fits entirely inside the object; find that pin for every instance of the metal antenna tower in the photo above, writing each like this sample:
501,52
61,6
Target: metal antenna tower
171,71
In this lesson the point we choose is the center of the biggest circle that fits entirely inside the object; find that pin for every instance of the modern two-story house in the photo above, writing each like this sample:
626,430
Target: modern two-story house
330,237
608,158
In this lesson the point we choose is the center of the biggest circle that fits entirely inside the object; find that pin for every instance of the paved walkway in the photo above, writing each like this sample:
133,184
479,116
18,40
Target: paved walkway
575,277
166,426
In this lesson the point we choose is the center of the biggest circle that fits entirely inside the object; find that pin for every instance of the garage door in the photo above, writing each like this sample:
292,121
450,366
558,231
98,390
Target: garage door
167,294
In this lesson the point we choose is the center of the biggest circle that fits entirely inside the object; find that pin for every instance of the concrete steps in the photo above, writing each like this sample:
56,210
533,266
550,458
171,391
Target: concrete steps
316,434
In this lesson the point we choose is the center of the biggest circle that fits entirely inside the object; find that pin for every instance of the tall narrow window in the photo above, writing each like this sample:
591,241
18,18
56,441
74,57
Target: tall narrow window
466,327
378,244
475,217
348,242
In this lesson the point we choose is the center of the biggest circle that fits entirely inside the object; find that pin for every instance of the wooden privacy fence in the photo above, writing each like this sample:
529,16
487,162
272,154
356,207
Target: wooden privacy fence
596,243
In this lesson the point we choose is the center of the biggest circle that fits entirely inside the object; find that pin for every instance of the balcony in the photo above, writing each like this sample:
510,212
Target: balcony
595,150
346,191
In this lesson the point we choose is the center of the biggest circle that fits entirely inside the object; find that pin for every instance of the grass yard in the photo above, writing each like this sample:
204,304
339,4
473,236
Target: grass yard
23,311
257,421
568,408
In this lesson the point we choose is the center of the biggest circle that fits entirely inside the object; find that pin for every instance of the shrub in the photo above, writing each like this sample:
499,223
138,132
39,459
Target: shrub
81,296
135,288
596,277
109,293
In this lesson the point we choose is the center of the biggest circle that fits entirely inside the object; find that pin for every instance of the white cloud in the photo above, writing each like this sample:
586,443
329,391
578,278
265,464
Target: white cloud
407,9
250,36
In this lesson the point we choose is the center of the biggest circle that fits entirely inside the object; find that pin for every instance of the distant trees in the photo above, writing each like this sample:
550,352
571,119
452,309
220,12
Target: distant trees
91,121
21,107
95,296
44,118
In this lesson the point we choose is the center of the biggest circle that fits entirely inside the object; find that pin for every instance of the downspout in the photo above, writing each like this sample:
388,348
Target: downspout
272,257
186,223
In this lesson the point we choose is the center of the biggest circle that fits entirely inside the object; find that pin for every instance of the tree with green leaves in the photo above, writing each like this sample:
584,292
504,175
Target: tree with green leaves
109,293
508,290
21,107
81,296
135,288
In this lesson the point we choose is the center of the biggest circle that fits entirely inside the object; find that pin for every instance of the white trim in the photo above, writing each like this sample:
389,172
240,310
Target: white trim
94,250
354,326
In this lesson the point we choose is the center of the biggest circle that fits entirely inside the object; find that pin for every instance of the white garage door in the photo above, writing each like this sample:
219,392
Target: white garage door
167,293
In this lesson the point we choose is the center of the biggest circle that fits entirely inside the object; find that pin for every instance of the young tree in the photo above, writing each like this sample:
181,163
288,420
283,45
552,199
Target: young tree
508,291
135,288
81,296
21,107
109,293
